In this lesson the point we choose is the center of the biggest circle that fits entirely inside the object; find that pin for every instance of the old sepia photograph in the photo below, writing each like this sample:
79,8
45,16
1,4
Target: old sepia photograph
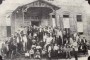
44,29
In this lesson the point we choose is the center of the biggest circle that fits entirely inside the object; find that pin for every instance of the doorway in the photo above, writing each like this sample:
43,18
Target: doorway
36,23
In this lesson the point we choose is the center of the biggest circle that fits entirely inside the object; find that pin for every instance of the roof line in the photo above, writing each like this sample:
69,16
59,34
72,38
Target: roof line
36,1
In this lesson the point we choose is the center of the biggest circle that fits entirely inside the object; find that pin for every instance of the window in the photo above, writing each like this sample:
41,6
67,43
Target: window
66,21
50,0
8,31
53,16
80,33
66,16
79,18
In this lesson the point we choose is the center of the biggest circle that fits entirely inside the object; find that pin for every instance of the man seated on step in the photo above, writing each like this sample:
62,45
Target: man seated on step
27,54
31,52
37,54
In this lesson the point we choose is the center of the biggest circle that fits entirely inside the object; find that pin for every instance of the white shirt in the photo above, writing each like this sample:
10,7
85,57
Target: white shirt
21,29
71,41
7,47
80,40
75,46
44,38
77,38
56,47
59,33
25,31
49,40
31,51
84,40
75,34
35,34
26,54
38,47
24,38
89,52
17,39
33,46
43,51
1,42
49,48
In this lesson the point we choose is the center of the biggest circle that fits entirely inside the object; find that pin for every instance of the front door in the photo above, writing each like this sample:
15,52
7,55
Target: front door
36,23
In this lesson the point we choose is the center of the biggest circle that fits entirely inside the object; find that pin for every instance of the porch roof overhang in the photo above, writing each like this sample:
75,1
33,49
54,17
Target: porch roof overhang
37,3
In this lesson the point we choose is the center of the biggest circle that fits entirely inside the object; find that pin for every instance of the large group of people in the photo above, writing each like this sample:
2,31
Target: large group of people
44,42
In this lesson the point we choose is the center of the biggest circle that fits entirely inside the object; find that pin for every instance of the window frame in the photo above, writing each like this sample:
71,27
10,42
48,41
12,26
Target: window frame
79,18
66,16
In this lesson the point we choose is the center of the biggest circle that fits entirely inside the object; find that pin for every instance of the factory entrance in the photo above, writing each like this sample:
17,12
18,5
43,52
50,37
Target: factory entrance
39,13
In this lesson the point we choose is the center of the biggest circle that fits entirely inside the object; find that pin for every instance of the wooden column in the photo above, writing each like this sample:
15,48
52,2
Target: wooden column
55,18
61,23
50,21
23,15
53,15
15,20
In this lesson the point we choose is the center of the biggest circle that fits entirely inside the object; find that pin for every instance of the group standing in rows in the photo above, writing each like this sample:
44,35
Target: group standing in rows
44,42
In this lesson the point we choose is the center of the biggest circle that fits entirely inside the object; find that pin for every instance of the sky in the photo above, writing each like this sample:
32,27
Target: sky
13,4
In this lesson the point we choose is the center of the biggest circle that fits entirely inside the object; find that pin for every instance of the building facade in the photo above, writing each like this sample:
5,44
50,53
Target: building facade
55,13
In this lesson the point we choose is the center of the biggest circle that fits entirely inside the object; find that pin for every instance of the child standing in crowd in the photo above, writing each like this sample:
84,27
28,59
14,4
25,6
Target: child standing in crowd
38,47
31,52
56,48
49,51
43,53
37,54
27,54
75,49
68,54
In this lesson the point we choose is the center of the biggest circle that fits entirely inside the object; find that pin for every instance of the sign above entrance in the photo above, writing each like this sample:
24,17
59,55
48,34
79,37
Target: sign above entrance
40,3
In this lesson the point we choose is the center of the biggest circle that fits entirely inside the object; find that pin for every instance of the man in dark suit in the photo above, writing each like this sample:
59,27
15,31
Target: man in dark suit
84,41
1,57
89,58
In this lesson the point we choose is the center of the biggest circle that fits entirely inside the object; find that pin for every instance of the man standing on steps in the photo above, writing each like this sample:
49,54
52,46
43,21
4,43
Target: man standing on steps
75,49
